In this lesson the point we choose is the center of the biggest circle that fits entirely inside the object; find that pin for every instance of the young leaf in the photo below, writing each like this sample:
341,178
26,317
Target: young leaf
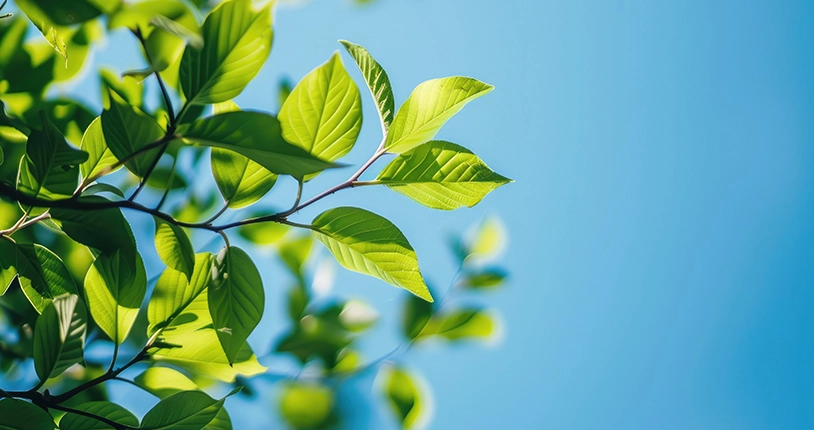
368,243
100,408
240,180
191,343
100,157
174,291
173,247
182,410
237,41
428,108
377,81
127,129
323,115
236,299
59,336
163,382
404,396
114,289
441,175
42,274
20,415
255,135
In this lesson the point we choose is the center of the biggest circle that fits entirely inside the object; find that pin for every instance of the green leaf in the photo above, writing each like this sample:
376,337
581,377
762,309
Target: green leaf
173,247
174,291
100,158
464,323
378,82
50,165
42,274
100,408
20,415
487,279
441,175
323,115
52,18
294,252
192,343
164,178
236,299
128,88
127,129
489,239
2,157
139,14
240,180
415,318
263,233
59,336
106,230
306,406
428,108
114,289
163,382
255,135
237,41
368,243
181,411
404,397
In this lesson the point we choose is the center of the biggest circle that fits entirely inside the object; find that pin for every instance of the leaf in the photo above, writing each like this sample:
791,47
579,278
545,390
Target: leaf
415,317
20,415
378,82
236,299
464,323
173,247
114,291
489,239
100,158
323,115
139,14
164,382
2,157
182,410
263,233
428,108
164,178
368,243
101,408
404,396
487,279
237,41
240,180
42,274
193,344
127,129
173,292
441,175
50,165
128,88
255,135
305,406
59,336
105,230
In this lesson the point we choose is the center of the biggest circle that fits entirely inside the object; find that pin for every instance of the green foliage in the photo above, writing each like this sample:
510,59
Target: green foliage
72,275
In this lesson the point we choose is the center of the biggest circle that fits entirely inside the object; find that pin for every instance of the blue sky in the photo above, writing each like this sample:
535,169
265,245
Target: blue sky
661,219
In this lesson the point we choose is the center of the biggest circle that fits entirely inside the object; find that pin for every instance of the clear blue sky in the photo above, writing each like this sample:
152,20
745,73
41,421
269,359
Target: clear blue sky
662,219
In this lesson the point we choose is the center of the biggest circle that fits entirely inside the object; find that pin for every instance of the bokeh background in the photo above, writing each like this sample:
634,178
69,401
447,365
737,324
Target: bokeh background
661,224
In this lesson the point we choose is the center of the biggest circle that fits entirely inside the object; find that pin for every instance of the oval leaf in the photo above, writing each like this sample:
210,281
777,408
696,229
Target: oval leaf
59,336
429,107
441,175
237,41
368,243
104,409
42,274
255,135
114,288
323,115
183,410
174,247
20,415
127,129
240,180
378,82
173,292
236,299
163,382
50,164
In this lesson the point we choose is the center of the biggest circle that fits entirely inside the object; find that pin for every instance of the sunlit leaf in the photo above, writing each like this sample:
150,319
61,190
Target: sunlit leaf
100,408
42,274
441,175
428,108
486,279
368,243
323,114
114,291
127,129
240,180
173,247
378,82
130,89
173,292
306,406
236,299
164,382
100,158
404,396
59,336
237,41
463,324
263,233
488,240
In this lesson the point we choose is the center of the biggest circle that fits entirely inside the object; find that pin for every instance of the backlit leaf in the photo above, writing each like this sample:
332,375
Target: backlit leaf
164,382
305,406
127,129
100,408
378,82
404,396
42,274
100,158
59,336
368,243
173,292
173,247
114,290
182,410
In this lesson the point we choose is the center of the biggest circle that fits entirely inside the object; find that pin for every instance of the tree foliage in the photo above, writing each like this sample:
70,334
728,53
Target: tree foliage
72,275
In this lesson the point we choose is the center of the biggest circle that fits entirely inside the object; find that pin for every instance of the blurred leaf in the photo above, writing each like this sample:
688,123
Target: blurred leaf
368,243
127,88
306,406
127,129
294,252
323,115
264,233
464,323
100,158
404,396
486,279
415,317
104,409
320,334
283,91
173,247
236,299
358,316
378,82
20,415
428,108
114,290
237,41
59,336
173,292
489,238
138,14
441,175
164,178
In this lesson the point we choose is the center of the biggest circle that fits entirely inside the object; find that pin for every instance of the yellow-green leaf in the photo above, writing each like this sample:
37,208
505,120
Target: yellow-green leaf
173,247
378,82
